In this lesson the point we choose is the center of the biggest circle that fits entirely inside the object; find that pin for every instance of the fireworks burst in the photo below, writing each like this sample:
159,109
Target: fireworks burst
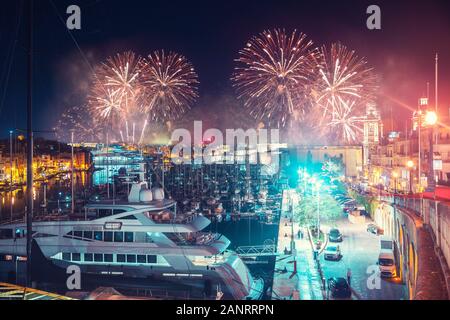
170,83
78,119
116,88
343,77
274,73
345,124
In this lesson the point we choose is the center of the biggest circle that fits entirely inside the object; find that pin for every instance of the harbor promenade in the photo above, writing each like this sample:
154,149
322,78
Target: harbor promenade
295,274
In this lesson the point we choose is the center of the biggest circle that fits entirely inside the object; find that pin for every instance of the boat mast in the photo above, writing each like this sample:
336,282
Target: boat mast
29,211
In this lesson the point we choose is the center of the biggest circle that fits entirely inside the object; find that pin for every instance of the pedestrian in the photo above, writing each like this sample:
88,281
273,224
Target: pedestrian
349,276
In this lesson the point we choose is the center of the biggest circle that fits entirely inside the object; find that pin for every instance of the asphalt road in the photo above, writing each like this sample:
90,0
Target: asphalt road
360,251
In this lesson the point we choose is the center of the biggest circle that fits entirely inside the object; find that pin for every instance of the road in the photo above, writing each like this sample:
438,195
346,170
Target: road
360,250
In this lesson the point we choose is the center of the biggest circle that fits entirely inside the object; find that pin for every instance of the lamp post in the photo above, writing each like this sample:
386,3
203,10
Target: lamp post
10,173
410,165
59,205
395,175
316,184
107,164
430,121
423,103
318,209
72,175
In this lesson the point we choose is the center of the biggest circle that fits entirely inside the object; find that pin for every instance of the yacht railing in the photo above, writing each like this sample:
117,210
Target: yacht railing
200,238
178,219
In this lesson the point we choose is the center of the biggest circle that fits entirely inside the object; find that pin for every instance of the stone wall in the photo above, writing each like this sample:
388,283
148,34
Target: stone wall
436,215
423,266
401,228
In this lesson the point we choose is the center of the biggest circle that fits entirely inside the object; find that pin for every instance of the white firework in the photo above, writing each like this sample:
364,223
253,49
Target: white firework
344,124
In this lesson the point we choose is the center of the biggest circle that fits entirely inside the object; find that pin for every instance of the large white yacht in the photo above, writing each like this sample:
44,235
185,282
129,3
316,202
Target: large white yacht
141,239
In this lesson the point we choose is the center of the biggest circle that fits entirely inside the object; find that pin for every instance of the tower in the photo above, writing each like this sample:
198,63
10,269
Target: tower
373,131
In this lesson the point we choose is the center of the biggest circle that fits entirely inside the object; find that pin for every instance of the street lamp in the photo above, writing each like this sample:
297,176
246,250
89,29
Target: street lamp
431,120
59,206
410,165
11,172
71,171
395,175
317,185
423,103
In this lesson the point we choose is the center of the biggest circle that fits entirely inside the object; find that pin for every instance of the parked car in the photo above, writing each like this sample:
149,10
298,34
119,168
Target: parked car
339,288
386,263
332,253
374,229
335,235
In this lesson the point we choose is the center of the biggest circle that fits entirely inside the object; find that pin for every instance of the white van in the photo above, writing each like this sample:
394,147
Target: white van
386,258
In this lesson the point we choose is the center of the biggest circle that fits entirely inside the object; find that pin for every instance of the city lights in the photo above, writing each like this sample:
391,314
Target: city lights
228,150
430,118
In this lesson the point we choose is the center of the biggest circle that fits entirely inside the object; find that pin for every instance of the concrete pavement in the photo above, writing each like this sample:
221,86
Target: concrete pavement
295,276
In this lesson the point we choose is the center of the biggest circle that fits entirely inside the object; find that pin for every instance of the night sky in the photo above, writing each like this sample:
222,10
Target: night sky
210,34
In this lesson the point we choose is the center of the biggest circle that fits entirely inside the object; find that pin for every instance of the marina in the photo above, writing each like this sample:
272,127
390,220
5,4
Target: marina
239,151
180,228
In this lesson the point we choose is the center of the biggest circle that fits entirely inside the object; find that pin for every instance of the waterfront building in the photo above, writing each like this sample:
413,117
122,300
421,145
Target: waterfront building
395,162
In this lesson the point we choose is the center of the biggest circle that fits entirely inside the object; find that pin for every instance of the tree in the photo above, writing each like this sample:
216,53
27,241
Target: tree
305,213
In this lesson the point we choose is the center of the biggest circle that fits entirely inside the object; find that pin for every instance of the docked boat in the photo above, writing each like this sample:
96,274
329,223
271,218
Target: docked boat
142,241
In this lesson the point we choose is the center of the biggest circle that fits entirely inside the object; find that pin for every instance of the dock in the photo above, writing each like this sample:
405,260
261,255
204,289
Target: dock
14,292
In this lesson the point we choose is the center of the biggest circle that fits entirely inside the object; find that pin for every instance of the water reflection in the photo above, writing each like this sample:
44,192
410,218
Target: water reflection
48,196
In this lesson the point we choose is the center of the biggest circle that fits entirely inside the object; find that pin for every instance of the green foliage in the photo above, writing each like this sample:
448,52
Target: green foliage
305,213
365,201
333,166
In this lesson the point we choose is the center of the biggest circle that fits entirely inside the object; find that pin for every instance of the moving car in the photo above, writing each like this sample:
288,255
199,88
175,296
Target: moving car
374,229
335,235
332,253
339,288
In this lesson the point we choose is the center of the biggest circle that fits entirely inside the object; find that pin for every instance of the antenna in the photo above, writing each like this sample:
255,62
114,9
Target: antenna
436,101
29,211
